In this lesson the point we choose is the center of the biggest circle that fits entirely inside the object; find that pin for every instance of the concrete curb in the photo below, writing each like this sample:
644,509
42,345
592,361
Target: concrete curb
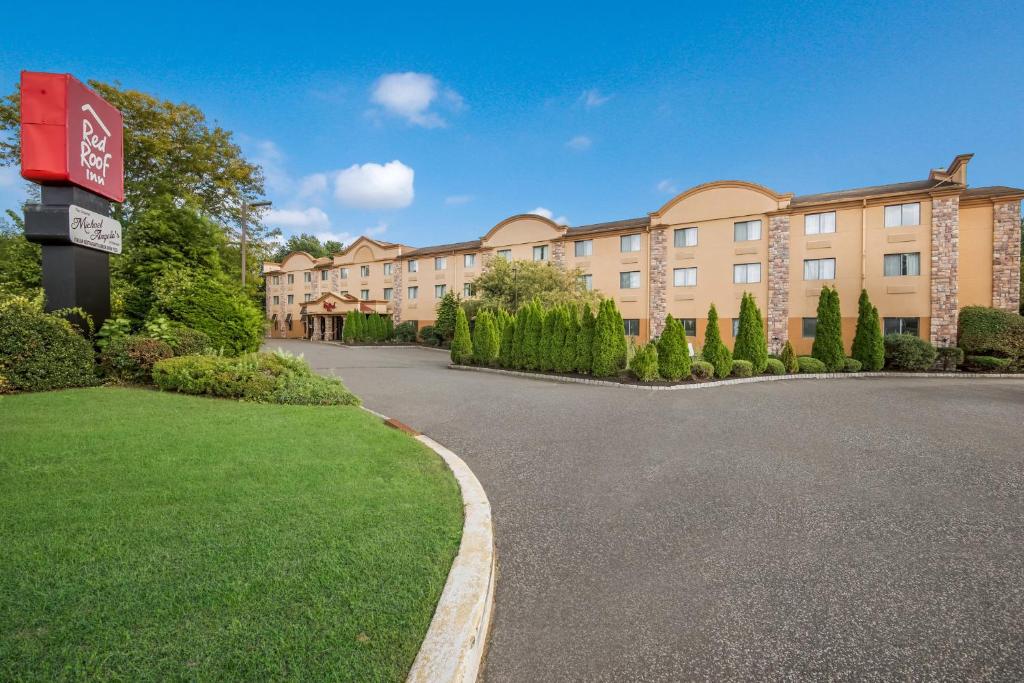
453,649
738,380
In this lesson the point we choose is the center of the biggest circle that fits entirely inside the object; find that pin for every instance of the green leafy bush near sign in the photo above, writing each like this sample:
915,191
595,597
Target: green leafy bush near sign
131,358
908,352
810,364
41,351
185,341
261,377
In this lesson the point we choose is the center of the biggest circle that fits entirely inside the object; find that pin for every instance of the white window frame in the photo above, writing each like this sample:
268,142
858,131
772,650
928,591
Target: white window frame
291,299
414,292
818,268
744,227
540,252
307,276
364,271
585,246
904,264
634,279
344,273
468,290
505,254
324,275
276,280
685,234
277,300
820,223
746,268
414,266
901,324
307,297
735,327
898,215
389,293
440,263
629,244
364,294
291,278
469,260
440,291
626,324
588,281
388,269
684,277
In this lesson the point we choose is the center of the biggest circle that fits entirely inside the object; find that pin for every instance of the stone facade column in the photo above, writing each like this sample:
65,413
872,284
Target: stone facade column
397,292
658,269
558,252
315,320
778,282
945,264
1006,256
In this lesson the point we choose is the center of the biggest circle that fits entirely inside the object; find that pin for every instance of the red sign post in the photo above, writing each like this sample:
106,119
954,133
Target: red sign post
72,144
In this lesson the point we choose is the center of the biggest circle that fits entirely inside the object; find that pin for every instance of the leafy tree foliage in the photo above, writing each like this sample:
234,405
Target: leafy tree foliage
446,316
41,351
462,345
751,343
673,353
715,351
20,271
868,347
310,244
508,285
828,335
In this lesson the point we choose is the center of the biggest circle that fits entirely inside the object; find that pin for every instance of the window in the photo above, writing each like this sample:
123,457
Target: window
468,290
809,327
344,273
364,294
540,253
388,269
344,292
902,264
277,300
291,298
584,248
307,277
685,237
388,293
629,280
364,271
414,292
276,279
629,243
820,269
440,263
735,327
323,275
819,223
902,214
685,277
745,273
307,297
902,326
689,326
746,231
632,327
469,260
588,281
291,278
439,291
505,254
414,266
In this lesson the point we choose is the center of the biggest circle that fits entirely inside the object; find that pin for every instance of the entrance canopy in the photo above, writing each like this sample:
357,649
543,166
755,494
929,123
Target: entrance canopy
340,304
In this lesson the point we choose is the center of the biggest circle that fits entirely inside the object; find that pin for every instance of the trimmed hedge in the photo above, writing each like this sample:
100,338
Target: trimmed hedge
811,364
217,308
852,365
949,358
41,351
986,364
991,332
702,369
774,366
131,359
908,352
405,332
185,341
644,364
259,377
789,359
742,368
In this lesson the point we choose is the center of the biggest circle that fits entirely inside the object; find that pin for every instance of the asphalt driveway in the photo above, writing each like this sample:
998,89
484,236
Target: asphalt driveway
850,530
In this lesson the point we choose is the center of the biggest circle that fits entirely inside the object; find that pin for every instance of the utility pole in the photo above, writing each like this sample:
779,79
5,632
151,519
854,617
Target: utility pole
245,211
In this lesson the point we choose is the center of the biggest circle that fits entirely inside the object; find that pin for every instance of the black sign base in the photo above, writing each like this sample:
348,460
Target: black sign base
73,276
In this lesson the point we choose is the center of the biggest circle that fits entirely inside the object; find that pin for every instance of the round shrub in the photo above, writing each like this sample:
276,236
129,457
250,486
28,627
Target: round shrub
742,368
789,358
775,367
986,364
990,332
810,364
405,332
185,341
41,351
950,357
908,352
430,336
702,369
852,365
644,364
131,359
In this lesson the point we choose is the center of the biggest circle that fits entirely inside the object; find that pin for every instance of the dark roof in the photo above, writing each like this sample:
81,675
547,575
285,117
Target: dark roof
874,190
612,225
991,191
443,248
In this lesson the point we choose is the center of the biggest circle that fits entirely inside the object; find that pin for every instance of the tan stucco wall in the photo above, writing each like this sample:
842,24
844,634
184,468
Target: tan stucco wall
974,278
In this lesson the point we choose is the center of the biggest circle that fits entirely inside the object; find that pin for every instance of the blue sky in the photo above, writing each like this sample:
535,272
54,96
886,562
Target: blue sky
423,124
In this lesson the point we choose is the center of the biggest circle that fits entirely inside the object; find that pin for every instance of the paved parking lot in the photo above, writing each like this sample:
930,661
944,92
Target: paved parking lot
851,530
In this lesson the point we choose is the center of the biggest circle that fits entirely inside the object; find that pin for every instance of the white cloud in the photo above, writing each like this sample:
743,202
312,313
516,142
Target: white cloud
579,143
410,96
297,219
375,186
458,199
547,213
593,98
312,185
667,186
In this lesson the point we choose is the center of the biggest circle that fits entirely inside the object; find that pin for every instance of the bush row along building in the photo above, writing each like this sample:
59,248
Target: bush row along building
922,249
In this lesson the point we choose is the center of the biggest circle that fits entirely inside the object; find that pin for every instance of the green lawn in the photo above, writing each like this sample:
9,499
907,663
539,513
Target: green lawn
148,536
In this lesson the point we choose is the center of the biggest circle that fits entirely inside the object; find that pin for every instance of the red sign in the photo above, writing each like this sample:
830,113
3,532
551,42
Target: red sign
70,135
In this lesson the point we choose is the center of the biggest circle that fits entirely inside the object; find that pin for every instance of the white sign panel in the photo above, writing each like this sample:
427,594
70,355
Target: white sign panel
93,230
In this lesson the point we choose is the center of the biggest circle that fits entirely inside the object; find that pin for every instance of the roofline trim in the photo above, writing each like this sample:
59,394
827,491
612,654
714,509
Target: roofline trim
716,184
520,216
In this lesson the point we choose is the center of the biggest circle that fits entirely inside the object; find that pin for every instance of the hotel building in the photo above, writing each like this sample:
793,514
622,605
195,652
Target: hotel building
922,249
